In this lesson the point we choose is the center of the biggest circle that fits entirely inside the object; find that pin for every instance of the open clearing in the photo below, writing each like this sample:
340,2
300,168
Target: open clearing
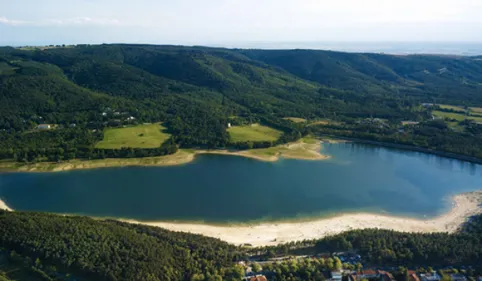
319,122
456,116
453,107
254,132
140,136
295,119
473,110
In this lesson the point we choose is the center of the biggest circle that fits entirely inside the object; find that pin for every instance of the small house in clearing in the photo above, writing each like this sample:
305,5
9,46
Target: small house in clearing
45,127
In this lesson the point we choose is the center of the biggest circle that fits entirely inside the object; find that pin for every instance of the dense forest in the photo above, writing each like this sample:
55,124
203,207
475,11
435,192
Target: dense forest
55,247
196,92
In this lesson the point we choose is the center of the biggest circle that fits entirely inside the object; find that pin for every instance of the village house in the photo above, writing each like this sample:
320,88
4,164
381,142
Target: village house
433,276
336,276
45,127
412,276
385,276
256,278
458,277
364,274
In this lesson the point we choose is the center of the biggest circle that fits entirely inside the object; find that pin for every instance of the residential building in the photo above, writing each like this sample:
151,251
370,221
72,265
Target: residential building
336,276
364,274
433,276
385,276
257,278
458,277
44,127
412,275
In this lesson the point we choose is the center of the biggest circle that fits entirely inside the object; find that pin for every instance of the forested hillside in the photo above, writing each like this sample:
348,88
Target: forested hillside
197,91
111,250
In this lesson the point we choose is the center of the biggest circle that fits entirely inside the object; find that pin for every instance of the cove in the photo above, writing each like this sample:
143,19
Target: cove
229,189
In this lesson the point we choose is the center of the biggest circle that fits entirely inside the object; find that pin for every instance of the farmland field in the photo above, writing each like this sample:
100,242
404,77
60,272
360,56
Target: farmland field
140,136
254,132
452,107
456,116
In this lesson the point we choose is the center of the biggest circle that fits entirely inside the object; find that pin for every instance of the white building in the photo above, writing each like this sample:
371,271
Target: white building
44,127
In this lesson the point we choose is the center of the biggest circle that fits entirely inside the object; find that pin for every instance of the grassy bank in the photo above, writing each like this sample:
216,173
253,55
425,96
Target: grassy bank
306,148
181,157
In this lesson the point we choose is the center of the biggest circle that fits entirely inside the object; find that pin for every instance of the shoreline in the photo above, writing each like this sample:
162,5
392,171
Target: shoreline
273,233
4,206
407,147
302,150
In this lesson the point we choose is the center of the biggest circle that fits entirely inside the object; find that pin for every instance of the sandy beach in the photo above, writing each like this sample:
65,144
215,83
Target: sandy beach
4,206
463,206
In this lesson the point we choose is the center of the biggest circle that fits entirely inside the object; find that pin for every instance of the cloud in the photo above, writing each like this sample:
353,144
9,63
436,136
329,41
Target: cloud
76,21
81,21
4,20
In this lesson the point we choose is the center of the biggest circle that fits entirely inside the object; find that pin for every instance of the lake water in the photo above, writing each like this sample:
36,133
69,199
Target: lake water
220,189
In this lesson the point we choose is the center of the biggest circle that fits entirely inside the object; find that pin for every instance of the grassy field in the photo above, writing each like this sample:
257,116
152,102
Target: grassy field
255,132
473,110
456,116
476,110
453,107
305,148
140,136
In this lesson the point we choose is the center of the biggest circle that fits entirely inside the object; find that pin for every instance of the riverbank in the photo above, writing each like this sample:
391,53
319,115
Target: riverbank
304,149
264,234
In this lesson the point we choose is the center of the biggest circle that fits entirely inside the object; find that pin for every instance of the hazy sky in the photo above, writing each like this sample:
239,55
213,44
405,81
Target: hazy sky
235,21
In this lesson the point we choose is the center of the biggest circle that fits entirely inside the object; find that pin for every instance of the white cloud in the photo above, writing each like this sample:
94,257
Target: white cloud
4,20
76,21
80,21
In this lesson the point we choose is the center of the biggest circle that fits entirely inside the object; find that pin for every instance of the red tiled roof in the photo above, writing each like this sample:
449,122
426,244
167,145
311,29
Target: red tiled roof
387,276
368,272
414,277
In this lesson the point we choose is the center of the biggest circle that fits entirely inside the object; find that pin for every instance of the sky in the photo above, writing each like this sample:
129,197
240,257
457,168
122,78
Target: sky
237,22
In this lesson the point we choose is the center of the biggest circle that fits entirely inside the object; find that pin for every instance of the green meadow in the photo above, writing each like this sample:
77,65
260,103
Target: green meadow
140,136
456,116
254,132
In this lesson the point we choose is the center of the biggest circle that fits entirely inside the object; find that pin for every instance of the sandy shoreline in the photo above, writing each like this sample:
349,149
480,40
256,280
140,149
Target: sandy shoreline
4,206
272,233
296,150
263,234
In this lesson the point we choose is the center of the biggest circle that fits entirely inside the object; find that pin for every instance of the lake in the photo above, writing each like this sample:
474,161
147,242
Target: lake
220,189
